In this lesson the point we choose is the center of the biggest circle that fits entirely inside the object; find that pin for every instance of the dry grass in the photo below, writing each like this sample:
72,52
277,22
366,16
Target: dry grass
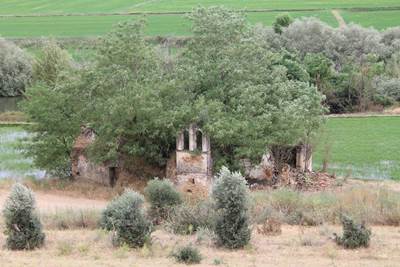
294,247
370,203
12,116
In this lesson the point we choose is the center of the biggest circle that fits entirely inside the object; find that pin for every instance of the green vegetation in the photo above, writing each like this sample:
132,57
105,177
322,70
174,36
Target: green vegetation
25,7
162,24
230,84
378,19
361,147
22,225
354,235
162,196
124,216
187,254
166,18
231,197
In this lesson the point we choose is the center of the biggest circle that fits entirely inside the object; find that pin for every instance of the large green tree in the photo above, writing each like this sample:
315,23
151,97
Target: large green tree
225,79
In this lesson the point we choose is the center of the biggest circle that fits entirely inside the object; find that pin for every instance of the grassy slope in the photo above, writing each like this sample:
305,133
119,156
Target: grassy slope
362,147
8,7
378,19
77,26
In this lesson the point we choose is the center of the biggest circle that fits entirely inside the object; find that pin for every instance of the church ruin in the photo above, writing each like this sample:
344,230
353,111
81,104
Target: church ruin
189,167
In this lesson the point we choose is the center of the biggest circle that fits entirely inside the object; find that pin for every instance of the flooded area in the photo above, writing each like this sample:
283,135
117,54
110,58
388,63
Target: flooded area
13,164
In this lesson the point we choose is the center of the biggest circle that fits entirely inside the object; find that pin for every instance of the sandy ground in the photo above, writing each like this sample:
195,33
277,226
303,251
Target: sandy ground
50,201
296,246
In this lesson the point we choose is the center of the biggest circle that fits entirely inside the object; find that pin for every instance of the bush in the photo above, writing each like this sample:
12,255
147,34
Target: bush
15,69
22,225
230,193
51,63
187,254
354,235
185,219
162,196
124,215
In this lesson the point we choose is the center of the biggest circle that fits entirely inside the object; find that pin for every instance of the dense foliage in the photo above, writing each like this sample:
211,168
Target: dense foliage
231,197
125,217
15,69
226,79
344,63
162,196
354,235
22,225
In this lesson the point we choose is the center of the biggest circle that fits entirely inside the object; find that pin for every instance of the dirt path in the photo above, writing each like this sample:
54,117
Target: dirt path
339,18
48,201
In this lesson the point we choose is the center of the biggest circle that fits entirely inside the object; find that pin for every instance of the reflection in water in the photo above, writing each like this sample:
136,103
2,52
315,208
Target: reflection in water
9,103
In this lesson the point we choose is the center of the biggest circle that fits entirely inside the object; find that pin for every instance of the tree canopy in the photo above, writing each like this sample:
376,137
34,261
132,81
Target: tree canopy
227,80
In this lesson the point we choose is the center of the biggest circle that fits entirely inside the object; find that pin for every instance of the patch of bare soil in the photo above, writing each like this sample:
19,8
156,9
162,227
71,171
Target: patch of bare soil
295,246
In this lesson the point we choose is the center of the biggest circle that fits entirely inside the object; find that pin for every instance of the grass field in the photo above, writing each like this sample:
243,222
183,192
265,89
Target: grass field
361,147
24,7
95,17
377,19
80,26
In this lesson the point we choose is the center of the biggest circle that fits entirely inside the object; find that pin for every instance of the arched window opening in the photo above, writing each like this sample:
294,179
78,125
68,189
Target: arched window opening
186,140
199,140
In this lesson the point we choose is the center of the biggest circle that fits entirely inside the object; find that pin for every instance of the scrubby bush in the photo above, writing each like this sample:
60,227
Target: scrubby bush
187,254
15,69
22,225
354,235
230,193
51,62
124,215
186,219
162,196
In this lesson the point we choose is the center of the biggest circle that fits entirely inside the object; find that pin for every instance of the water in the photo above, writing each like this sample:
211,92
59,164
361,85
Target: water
9,103
13,164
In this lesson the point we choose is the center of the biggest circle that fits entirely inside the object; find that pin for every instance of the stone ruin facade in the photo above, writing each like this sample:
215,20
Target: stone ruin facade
193,160
190,167
83,168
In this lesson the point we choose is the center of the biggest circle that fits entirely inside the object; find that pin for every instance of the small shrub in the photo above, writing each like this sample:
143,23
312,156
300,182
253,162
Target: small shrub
187,254
185,219
162,196
124,215
231,197
354,235
22,225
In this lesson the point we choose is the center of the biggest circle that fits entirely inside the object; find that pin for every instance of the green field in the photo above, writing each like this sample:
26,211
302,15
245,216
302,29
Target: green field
36,18
80,26
362,147
377,19
24,7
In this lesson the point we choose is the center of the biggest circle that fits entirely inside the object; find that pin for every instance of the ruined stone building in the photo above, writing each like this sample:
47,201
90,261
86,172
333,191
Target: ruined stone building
193,160
190,167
